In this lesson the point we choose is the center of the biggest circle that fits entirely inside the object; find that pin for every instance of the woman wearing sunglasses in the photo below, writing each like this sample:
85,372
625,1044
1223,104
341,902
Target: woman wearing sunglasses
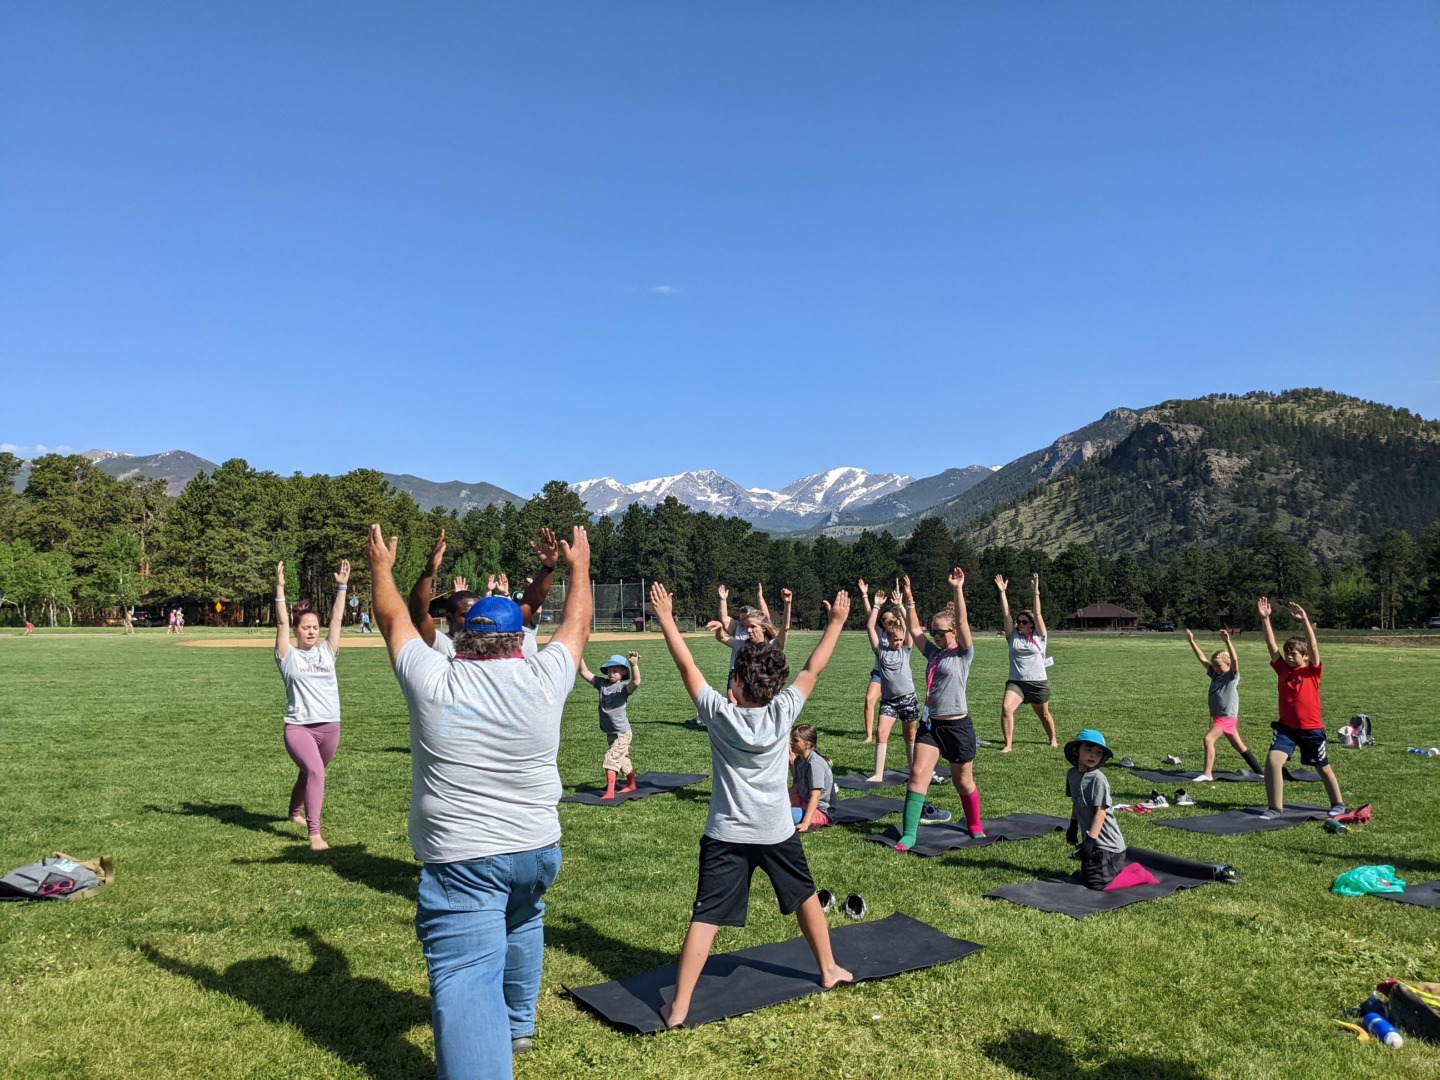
1029,683
945,728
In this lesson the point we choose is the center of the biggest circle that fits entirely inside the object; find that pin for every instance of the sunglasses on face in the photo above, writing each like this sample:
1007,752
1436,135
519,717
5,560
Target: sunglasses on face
937,631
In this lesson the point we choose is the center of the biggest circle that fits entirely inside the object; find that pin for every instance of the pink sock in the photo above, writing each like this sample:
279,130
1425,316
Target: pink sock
971,802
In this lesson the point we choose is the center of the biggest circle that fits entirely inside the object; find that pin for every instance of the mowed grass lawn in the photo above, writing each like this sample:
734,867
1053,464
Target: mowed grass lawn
228,949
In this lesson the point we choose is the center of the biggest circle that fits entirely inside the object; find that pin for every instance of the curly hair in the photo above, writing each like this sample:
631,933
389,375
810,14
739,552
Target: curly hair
761,671
477,645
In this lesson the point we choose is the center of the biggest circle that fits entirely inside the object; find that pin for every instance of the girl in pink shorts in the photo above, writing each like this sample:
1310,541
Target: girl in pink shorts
1224,670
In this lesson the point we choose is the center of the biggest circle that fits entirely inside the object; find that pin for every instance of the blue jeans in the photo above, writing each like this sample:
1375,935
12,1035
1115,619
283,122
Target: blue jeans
481,926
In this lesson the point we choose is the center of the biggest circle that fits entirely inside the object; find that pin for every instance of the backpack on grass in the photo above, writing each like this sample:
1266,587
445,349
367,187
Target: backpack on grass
1357,733
1415,1007
58,878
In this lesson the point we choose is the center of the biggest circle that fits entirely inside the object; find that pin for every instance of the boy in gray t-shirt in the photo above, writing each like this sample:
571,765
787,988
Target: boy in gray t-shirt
749,826
619,678
1092,827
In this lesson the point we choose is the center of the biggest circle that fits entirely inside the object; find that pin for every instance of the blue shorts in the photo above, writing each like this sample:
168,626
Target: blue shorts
874,675
1310,741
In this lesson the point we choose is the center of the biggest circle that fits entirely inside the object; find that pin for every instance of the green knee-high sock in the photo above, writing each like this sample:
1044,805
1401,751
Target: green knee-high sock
914,801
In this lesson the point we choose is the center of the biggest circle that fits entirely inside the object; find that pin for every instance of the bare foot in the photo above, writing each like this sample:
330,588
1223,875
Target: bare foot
874,779
317,843
1006,749
1053,744
671,1017
870,738
298,817
627,787
835,976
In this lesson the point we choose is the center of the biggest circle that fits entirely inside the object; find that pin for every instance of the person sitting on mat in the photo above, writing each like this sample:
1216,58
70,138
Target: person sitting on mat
1223,668
749,824
897,681
615,690
1300,725
1092,827
813,796
945,726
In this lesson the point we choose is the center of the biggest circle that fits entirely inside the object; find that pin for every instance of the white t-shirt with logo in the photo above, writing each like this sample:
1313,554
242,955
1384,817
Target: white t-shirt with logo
311,692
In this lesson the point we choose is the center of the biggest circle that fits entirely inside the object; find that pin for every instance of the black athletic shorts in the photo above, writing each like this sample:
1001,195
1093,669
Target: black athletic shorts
904,708
723,895
955,739
1311,742
1032,692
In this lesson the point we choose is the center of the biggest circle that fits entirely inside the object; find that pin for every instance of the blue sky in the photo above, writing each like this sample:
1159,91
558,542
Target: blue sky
515,242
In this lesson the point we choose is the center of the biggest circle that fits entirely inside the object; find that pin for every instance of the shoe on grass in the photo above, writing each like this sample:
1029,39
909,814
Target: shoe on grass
1171,759
936,778
930,814
695,722
855,906
523,1045
1126,763
1156,801
826,898
1182,798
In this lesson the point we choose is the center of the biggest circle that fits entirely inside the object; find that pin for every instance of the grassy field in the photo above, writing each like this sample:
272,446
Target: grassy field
228,949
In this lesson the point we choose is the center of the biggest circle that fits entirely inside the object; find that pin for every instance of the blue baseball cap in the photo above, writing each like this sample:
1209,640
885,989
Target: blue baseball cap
616,661
495,615
1087,735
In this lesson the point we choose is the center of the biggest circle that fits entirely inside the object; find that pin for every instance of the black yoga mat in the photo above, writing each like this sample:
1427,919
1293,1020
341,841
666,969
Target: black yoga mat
1067,896
1242,776
733,984
938,839
1421,894
893,777
865,808
650,783
1236,822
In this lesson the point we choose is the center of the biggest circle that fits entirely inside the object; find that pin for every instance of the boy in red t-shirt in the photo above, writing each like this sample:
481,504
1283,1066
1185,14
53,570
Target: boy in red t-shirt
1300,725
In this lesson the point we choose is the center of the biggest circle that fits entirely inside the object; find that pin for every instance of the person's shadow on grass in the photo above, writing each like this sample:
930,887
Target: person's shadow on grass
360,1020
229,814
1042,1056
399,877
612,957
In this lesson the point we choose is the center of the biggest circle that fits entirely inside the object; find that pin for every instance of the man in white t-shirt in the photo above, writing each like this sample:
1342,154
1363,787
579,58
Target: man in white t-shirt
484,733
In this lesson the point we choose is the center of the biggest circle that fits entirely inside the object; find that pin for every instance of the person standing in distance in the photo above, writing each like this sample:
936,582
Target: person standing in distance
484,734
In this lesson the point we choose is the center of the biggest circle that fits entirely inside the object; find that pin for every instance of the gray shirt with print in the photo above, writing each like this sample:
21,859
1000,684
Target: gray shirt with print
1089,792
613,718
896,678
1225,694
750,800
946,672
312,695
1027,658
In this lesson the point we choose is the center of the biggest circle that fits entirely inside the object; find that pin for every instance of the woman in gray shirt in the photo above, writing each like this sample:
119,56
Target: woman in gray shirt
1028,682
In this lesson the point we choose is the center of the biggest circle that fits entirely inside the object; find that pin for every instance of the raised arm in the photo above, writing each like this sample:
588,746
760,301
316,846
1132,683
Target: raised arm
720,635
548,548
962,614
864,595
1263,607
634,659
1004,586
282,614
1311,640
760,602
423,591
1230,648
838,611
1205,663
579,609
872,616
784,631
1039,618
727,623
914,632
337,609
391,613
584,673
664,606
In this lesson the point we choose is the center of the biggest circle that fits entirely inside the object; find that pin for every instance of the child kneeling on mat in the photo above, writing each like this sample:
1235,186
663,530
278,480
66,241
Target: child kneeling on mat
813,796
614,721
1092,827
749,824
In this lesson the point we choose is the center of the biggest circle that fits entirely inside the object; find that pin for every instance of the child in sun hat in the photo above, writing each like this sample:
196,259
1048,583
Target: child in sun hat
1092,827
619,678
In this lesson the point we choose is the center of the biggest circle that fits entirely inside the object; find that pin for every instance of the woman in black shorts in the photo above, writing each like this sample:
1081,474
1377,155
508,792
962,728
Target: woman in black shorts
1029,682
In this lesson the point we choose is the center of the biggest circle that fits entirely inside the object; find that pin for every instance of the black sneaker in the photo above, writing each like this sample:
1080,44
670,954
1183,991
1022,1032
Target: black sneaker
855,906
933,815
695,722
826,898
523,1045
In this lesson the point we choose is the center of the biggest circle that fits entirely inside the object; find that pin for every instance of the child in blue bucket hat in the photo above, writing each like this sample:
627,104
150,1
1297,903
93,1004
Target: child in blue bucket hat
619,678
1093,830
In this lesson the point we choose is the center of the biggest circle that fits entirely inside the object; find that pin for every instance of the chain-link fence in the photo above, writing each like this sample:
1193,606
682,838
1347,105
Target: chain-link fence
618,606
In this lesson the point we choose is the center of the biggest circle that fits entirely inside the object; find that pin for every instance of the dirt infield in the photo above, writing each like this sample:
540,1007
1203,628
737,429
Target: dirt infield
375,641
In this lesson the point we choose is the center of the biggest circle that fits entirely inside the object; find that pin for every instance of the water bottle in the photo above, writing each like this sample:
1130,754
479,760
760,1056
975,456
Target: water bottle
1381,1029
1416,750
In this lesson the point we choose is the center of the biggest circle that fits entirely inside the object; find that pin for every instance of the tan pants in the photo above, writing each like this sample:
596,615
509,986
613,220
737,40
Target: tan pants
617,758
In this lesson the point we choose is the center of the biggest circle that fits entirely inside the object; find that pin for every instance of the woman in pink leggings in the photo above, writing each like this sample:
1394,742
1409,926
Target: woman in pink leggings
312,721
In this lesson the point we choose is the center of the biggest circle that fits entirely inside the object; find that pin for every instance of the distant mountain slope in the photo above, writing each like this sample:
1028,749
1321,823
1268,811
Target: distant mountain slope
1331,471
808,501
452,495
175,467
919,496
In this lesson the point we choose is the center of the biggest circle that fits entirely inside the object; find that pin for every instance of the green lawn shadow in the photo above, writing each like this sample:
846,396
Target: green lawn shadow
1042,1056
398,877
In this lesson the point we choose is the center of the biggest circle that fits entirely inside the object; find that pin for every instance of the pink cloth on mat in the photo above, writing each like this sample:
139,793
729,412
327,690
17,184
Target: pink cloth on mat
1133,874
